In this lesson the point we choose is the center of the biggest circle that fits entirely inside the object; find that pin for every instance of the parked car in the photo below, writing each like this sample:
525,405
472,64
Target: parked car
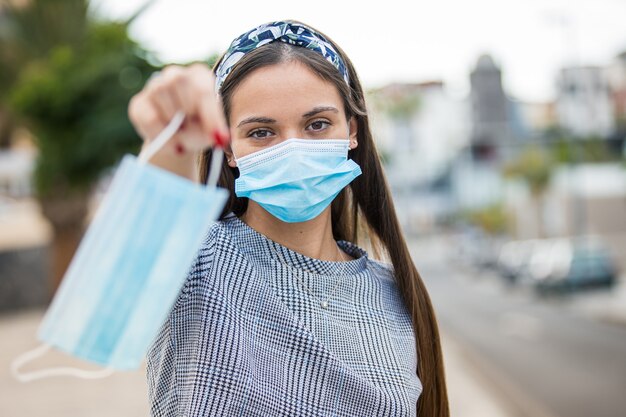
562,265
514,258
478,249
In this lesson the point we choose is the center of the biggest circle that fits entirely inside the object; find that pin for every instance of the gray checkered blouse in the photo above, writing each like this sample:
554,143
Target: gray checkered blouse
245,339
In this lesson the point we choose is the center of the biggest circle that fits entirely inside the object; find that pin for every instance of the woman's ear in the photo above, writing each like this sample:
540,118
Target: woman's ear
353,133
229,157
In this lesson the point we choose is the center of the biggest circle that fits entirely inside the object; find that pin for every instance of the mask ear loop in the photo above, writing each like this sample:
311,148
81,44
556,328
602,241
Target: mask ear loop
46,373
167,133
217,158
162,138
143,158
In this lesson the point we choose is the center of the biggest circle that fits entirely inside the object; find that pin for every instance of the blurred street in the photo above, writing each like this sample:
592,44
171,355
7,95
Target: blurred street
562,357
507,354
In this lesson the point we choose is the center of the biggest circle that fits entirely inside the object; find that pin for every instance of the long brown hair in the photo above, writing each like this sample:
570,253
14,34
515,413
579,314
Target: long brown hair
365,208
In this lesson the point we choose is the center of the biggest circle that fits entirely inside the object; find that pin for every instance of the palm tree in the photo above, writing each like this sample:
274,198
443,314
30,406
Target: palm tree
28,30
68,77
534,167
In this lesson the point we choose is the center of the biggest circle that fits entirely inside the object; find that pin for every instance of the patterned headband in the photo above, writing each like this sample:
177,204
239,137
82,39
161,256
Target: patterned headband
288,32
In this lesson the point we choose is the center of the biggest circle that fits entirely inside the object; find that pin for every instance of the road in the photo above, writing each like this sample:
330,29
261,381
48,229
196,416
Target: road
544,357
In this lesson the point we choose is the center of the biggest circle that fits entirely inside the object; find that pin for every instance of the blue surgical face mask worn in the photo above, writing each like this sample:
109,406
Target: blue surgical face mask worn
296,179
129,267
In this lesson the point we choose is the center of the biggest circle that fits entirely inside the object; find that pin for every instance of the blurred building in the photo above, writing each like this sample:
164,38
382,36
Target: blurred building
587,199
476,178
617,81
584,103
25,234
535,118
17,166
16,170
420,130
490,111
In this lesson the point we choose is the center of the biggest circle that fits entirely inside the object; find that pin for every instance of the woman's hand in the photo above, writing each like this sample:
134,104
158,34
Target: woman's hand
190,89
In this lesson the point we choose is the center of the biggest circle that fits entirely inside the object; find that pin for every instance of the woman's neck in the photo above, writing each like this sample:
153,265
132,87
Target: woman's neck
313,238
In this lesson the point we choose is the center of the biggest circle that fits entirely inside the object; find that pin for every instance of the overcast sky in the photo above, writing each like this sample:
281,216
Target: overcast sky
406,41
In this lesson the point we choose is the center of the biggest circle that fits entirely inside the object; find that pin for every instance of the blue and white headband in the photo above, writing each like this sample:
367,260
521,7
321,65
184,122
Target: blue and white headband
288,32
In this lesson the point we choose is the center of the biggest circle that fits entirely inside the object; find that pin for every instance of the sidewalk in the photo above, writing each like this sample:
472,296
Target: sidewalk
470,393
124,394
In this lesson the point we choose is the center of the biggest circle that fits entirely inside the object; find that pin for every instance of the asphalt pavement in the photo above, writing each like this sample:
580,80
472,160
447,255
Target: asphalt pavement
554,357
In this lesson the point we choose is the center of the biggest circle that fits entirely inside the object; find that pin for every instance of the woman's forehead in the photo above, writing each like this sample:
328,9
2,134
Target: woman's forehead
283,88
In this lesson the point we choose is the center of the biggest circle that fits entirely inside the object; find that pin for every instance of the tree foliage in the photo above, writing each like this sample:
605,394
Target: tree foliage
492,219
73,94
533,166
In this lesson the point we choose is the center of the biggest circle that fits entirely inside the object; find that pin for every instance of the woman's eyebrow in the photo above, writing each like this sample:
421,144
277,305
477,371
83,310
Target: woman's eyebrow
267,120
319,109
256,119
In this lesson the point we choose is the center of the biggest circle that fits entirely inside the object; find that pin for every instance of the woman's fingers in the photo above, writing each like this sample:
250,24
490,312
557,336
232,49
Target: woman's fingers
200,95
161,90
190,89
145,117
192,137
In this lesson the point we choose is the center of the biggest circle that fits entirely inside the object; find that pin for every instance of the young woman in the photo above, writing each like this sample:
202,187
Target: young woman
283,314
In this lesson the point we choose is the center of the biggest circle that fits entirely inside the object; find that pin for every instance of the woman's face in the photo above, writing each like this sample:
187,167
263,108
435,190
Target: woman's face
283,101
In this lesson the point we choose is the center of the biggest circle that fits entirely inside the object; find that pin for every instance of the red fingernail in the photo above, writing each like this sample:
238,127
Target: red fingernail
180,149
220,138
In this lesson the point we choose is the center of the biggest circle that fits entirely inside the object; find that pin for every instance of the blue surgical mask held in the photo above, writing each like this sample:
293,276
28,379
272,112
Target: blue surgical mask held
296,179
129,267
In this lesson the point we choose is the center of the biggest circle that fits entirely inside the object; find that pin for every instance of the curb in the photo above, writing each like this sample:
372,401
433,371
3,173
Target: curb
507,394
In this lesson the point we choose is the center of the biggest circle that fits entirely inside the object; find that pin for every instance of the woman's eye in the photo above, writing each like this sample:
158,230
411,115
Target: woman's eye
319,125
260,133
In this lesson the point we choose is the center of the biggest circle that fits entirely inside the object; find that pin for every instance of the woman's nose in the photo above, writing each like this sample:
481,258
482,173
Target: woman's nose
290,133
